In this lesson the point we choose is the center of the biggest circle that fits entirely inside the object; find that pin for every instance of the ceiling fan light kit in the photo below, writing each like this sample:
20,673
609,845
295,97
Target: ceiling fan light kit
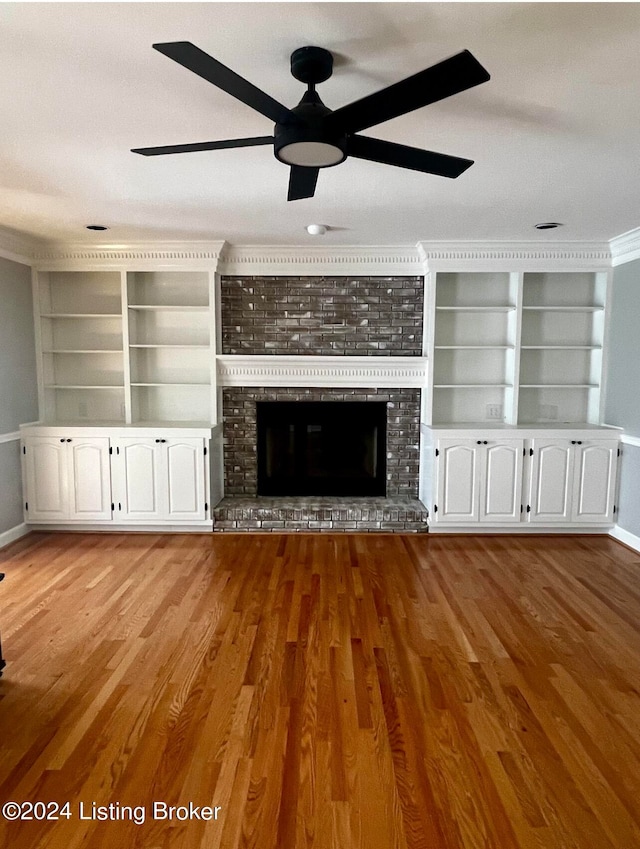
310,136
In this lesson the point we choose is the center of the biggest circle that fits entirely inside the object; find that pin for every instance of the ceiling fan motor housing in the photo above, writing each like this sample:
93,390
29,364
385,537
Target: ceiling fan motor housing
306,140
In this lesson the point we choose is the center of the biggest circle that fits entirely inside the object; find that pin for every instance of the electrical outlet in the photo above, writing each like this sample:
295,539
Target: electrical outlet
494,411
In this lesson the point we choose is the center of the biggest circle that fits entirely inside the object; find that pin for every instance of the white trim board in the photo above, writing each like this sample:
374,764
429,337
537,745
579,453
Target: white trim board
323,372
9,437
528,530
311,260
626,537
13,534
17,247
627,439
626,247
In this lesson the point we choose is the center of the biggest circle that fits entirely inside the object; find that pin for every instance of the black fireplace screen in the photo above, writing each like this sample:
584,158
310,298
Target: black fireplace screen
321,448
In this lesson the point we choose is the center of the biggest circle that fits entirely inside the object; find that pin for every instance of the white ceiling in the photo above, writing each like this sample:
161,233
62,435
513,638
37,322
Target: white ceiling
555,133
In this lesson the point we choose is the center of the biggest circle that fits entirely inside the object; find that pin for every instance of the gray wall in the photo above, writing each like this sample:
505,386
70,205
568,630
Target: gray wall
622,403
18,382
629,490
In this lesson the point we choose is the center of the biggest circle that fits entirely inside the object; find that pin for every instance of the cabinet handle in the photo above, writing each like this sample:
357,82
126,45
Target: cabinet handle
579,442
484,442
478,442
163,440
157,440
62,440
68,440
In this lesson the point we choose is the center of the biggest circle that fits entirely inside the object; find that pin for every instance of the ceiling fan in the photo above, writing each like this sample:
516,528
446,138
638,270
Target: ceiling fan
311,136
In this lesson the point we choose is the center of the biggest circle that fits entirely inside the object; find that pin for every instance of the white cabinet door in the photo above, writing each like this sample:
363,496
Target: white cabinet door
160,480
500,473
139,492
479,480
457,481
46,479
89,478
551,481
594,481
185,479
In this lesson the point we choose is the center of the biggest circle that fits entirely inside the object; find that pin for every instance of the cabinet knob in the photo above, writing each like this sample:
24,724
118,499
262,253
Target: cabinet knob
478,442
62,440
163,440
484,442
68,440
573,442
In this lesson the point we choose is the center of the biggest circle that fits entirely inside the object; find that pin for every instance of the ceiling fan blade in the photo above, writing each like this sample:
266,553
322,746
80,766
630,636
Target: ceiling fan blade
211,145
389,153
191,57
448,77
302,182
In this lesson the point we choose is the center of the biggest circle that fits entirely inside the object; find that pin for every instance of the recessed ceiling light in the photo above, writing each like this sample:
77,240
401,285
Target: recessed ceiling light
316,229
548,225
96,227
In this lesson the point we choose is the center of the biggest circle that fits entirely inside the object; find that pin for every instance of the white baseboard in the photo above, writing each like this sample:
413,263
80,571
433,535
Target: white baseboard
111,527
626,537
524,529
13,534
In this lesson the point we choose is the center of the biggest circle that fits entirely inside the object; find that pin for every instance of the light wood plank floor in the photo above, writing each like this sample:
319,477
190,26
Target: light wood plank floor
387,692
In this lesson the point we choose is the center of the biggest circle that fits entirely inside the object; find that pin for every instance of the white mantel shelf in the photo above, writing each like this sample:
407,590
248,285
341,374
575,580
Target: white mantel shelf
320,371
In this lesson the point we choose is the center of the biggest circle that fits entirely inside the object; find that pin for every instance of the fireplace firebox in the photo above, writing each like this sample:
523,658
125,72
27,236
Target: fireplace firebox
321,448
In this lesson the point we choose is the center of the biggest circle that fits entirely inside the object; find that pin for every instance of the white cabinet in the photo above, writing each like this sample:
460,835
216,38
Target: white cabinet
478,480
118,477
519,479
160,479
67,479
572,481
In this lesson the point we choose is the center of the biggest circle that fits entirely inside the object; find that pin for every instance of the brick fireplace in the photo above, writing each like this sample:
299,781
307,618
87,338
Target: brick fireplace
321,319
240,433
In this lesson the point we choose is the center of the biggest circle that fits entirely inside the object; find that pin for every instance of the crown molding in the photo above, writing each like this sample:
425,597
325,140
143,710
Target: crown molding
626,247
170,254
310,260
323,372
18,247
314,260
514,256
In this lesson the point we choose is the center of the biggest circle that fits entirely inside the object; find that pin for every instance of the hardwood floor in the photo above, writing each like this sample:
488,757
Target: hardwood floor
387,692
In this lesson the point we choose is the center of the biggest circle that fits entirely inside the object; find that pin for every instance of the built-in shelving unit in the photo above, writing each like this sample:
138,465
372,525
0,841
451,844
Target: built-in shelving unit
563,323
81,342
169,334
125,346
518,348
474,346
